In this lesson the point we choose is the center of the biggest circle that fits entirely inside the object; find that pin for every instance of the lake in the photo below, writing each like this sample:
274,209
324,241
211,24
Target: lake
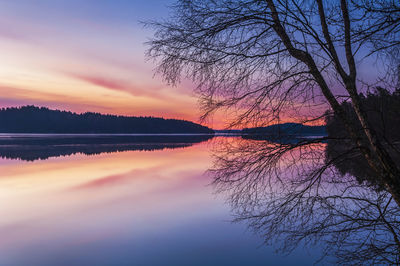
146,203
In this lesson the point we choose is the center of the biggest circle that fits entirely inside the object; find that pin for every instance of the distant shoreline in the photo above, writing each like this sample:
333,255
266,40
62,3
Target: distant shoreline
41,120
102,134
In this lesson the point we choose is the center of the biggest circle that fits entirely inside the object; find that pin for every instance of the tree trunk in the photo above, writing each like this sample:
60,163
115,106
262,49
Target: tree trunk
388,168
384,166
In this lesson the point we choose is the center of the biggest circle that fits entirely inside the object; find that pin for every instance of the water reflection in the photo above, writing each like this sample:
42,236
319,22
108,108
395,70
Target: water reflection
300,192
125,208
31,147
150,203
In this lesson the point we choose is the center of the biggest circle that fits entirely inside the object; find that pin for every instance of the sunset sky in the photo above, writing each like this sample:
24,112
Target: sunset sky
90,56
86,56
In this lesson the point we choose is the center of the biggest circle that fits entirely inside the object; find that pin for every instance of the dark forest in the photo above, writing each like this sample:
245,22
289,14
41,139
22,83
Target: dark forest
32,119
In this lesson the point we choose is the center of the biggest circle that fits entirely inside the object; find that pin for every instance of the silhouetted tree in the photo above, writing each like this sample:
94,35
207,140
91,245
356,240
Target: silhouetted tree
266,58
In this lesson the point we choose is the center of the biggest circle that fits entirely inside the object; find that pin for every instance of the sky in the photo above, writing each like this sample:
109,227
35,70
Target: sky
90,56
86,56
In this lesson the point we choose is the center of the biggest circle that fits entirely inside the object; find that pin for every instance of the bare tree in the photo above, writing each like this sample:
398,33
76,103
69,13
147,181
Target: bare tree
293,189
380,26
267,59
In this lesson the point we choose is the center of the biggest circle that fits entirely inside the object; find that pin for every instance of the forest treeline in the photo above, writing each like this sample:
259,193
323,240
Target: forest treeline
32,119
383,108
287,129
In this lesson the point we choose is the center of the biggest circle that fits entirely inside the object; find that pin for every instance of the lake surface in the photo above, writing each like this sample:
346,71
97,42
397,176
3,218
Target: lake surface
147,203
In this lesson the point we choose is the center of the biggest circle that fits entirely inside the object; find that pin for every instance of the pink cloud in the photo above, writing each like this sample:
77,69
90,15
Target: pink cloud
119,85
105,83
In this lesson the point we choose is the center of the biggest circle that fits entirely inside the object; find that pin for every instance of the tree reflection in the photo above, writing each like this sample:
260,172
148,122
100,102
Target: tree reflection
309,192
32,147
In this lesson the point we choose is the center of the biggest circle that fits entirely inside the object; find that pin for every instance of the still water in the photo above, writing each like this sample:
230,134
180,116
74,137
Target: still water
142,204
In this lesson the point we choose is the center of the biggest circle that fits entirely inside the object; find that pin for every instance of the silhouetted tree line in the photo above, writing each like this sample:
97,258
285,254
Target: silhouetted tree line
286,129
383,109
31,119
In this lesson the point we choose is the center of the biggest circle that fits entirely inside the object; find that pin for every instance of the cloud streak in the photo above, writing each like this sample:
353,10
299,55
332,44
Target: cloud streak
120,85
